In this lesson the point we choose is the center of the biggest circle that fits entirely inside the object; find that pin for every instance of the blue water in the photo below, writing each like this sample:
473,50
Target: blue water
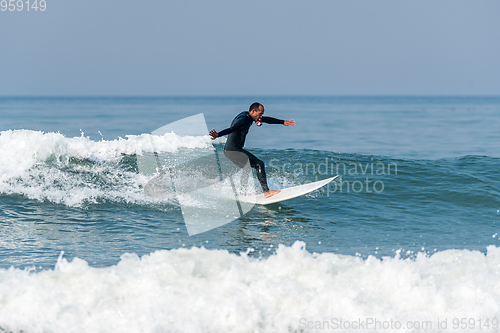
418,174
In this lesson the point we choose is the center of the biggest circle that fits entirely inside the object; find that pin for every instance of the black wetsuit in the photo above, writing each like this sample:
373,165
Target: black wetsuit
236,140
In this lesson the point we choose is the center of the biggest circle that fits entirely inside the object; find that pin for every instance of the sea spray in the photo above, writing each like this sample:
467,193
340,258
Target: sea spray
200,290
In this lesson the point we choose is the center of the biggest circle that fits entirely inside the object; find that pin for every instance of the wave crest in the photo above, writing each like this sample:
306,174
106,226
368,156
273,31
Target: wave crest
78,170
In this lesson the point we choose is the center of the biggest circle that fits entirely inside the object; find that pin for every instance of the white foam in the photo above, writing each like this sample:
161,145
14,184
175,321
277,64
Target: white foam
199,290
32,164
26,147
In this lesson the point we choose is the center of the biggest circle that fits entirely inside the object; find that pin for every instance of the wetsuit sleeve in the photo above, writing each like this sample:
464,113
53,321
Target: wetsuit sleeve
271,120
237,125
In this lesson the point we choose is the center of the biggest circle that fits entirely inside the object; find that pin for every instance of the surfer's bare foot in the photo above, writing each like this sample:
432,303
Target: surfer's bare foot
270,193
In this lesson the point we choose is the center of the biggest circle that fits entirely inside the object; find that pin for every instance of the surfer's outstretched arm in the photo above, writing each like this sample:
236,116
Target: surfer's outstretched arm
271,120
236,126
213,134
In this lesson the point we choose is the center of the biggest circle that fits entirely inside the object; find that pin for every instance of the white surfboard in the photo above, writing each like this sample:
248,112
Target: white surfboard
287,193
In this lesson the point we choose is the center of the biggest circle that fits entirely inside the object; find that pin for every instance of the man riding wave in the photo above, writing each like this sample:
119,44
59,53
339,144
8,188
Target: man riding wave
238,131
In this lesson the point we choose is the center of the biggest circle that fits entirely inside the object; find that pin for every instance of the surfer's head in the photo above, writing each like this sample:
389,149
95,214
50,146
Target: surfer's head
256,111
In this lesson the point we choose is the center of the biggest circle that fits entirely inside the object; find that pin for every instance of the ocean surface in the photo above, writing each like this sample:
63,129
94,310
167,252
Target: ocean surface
405,240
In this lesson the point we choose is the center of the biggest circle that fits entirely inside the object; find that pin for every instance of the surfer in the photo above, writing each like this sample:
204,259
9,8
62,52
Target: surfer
236,140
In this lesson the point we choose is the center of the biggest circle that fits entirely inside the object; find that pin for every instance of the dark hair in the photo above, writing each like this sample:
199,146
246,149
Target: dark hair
255,106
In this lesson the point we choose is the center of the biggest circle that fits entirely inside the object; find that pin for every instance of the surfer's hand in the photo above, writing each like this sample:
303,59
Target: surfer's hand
213,134
289,122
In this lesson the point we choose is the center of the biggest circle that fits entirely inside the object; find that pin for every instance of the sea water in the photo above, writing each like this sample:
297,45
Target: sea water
405,240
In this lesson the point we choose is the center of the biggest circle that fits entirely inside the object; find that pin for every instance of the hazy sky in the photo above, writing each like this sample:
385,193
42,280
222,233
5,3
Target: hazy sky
272,47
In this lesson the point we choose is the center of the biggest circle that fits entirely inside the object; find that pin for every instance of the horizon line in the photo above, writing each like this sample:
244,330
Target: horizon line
261,96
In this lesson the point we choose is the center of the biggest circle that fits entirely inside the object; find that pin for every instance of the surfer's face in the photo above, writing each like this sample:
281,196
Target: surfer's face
256,114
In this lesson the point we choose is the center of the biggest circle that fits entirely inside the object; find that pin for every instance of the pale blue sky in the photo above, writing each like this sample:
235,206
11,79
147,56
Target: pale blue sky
280,47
